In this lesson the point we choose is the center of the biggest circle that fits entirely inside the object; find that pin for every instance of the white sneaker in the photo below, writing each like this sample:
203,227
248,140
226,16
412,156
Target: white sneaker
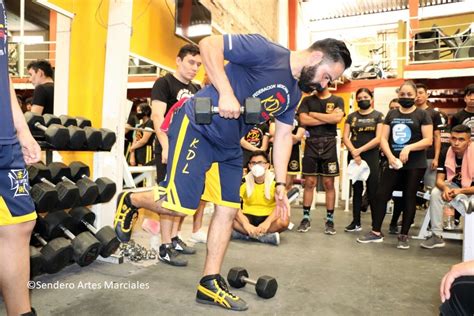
198,237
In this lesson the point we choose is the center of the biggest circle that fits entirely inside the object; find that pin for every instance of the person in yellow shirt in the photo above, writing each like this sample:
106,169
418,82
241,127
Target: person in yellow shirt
256,220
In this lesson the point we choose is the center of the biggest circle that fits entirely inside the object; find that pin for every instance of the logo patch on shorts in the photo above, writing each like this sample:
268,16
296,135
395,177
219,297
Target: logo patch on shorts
332,167
19,182
294,165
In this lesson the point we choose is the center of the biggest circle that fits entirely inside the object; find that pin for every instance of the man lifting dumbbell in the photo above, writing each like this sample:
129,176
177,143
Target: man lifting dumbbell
257,68
17,212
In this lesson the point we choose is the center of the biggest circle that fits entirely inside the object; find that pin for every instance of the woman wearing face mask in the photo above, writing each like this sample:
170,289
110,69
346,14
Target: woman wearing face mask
362,132
141,151
256,220
406,134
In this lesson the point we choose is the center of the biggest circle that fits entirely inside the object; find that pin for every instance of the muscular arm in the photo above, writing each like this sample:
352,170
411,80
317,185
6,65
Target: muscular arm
346,137
328,118
299,135
384,142
30,148
158,109
426,141
38,109
374,142
142,142
437,145
212,54
246,145
307,120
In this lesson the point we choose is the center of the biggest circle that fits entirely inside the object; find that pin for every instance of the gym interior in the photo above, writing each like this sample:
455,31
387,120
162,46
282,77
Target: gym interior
113,63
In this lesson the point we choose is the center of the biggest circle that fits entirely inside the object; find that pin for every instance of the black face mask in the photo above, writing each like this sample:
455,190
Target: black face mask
363,104
406,102
140,115
307,75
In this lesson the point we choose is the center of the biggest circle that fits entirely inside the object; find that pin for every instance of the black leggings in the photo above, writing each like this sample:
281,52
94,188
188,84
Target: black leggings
460,303
390,177
372,159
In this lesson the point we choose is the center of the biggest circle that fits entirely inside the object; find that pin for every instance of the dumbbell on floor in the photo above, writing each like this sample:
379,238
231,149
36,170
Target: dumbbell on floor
55,134
56,254
86,247
204,110
36,262
40,176
88,190
107,187
266,286
84,219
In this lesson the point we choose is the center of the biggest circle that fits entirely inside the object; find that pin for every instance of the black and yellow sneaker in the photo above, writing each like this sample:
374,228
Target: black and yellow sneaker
213,290
124,216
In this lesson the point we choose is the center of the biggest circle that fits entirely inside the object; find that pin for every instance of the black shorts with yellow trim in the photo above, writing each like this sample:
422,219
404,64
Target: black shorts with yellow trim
320,157
255,220
294,165
16,205
194,163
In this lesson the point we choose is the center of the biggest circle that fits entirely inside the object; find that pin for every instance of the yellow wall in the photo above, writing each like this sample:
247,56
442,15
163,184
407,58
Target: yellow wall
86,63
153,32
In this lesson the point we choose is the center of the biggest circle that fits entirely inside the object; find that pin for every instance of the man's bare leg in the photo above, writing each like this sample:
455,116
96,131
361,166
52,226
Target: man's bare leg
218,238
197,218
328,183
15,271
147,200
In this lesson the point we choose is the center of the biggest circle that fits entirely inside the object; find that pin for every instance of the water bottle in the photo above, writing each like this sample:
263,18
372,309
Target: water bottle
448,214
390,206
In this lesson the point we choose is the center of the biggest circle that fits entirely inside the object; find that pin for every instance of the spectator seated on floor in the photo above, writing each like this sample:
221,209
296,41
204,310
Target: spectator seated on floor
455,176
256,220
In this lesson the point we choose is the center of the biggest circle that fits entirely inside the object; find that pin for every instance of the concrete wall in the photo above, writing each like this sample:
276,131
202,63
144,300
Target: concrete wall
246,16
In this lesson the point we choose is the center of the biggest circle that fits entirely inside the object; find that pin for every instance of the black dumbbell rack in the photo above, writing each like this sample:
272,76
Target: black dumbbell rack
48,149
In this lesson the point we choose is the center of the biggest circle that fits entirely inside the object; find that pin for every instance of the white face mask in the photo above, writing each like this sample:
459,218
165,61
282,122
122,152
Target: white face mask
258,171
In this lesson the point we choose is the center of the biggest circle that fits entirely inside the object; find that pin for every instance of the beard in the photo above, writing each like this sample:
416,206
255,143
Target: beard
305,82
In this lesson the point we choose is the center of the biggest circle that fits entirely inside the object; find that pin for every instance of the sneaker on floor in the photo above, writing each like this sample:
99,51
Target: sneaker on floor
272,239
434,241
169,255
213,290
353,227
393,230
403,242
304,226
124,215
198,237
236,235
370,237
329,228
180,246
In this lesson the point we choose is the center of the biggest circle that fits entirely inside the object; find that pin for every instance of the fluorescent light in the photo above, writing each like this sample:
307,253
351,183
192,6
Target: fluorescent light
29,39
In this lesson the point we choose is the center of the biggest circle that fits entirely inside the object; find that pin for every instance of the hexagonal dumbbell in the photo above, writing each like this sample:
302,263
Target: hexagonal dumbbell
86,247
266,286
107,187
204,110
88,190
36,262
55,134
56,254
77,137
84,220
40,176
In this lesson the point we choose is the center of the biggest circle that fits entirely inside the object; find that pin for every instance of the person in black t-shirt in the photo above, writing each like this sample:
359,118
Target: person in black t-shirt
455,176
165,93
362,132
466,115
41,76
256,139
433,152
141,151
320,113
406,134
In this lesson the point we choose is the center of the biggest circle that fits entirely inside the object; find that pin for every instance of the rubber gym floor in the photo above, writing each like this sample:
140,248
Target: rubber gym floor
317,275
